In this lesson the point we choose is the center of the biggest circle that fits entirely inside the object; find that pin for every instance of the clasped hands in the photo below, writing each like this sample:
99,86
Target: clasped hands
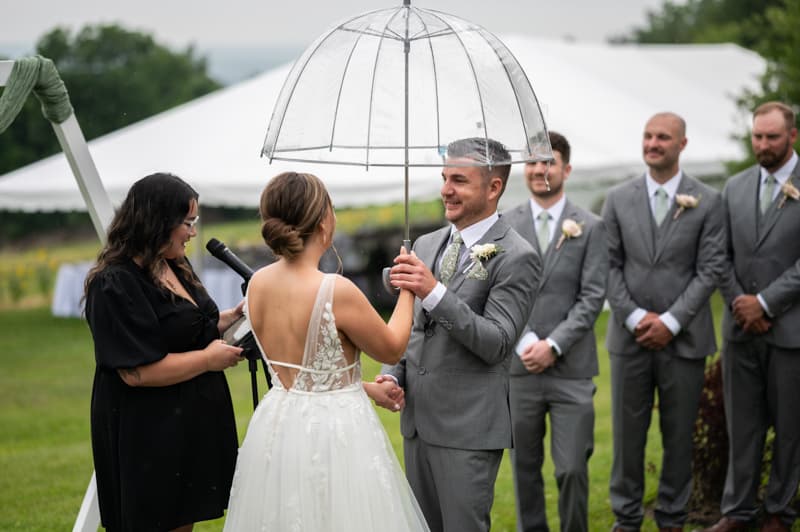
651,333
386,393
749,314
538,356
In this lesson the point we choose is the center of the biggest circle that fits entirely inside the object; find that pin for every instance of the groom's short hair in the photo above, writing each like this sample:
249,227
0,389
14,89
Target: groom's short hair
492,157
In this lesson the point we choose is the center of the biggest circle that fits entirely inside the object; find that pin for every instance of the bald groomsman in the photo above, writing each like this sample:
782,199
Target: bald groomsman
665,237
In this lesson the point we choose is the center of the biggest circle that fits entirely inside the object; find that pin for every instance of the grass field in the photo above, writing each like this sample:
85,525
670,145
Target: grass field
46,373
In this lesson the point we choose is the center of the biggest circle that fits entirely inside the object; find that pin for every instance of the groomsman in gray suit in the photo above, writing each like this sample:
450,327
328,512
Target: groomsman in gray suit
665,235
557,355
761,326
474,281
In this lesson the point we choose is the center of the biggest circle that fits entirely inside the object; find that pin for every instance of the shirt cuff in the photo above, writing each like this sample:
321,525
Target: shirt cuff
554,345
527,339
432,299
672,324
397,382
634,318
764,305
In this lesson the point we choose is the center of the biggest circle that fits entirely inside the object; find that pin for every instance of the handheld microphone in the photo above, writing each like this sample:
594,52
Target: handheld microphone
221,252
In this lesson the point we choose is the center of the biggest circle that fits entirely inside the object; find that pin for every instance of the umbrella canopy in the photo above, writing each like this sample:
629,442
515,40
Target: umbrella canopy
394,87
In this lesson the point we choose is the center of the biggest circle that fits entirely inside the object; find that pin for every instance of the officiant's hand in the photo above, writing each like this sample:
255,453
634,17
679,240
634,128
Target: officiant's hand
220,356
410,273
386,393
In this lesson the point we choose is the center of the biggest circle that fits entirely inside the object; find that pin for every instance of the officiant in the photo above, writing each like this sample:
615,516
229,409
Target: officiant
164,437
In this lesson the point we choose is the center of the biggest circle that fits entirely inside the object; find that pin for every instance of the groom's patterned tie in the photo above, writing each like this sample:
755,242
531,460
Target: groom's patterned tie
450,259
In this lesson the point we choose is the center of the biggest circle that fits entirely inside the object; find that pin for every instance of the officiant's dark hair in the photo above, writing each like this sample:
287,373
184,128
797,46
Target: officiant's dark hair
142,226
292,207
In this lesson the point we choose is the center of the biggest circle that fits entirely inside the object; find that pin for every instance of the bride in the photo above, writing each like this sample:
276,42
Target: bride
316,457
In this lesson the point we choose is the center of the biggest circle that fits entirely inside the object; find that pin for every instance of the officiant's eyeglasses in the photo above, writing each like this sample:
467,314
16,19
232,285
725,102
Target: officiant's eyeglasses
191,223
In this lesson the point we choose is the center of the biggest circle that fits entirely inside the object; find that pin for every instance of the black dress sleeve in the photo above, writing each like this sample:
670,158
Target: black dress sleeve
124,324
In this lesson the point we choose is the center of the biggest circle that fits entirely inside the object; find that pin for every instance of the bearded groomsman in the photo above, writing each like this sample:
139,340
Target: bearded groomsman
665,237
557,355
761,326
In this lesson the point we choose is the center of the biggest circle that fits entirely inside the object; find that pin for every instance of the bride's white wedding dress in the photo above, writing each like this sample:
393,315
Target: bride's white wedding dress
316,457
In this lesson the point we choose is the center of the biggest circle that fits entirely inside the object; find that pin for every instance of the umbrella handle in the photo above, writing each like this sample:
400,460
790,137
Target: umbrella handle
387,283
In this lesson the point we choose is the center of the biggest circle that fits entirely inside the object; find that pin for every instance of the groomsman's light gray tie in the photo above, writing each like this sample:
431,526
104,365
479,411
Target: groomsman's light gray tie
767,192
450,259
661,205
543,233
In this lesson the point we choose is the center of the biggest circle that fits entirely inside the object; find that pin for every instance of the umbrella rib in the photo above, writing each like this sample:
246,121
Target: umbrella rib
492,40
372,87
290,96
435,86
390,34
474,77
341,85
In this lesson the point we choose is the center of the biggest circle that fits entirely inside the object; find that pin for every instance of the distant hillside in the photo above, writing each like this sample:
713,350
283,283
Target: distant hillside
225,64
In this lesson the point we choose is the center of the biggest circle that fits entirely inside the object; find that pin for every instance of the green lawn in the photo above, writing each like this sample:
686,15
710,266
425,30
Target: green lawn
46,373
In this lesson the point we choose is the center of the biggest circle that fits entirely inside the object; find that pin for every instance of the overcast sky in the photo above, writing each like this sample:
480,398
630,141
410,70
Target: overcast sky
297,22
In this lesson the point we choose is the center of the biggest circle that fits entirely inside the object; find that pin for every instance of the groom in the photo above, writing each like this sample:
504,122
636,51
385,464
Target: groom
474,281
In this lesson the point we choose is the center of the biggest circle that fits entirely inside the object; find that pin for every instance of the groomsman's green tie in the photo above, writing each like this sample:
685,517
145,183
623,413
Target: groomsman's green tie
661,205
767,193
543,233
450,259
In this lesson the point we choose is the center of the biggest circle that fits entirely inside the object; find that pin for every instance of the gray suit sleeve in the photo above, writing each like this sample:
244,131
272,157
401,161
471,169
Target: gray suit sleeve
709,266
728,284
587,307
619,297
784,291
492,335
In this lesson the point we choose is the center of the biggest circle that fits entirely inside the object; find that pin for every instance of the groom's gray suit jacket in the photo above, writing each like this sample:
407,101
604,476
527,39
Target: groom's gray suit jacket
763,256
673,267
455,369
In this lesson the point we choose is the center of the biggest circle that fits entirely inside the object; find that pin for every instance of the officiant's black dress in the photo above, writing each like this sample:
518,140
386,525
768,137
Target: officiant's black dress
163,456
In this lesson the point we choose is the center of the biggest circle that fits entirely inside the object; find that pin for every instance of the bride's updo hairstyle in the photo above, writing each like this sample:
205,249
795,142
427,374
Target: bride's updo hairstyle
292,207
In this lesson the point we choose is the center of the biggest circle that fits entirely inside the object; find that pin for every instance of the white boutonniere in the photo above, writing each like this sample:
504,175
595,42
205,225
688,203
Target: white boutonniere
685,201
478,254
569,229
789,191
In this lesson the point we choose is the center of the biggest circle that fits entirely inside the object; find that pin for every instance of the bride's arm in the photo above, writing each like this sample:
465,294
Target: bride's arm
361,323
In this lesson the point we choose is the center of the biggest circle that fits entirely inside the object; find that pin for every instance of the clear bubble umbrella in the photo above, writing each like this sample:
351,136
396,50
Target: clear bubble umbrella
394,87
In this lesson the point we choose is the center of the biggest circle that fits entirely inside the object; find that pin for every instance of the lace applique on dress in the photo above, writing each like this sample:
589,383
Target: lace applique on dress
323,354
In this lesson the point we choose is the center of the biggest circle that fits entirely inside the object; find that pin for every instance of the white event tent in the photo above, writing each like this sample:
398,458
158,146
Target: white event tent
598,95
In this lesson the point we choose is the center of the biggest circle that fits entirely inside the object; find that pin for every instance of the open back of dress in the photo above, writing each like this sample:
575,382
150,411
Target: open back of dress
316,457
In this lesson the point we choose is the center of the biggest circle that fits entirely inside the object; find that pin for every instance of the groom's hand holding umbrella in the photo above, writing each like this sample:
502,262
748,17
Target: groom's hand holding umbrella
410,273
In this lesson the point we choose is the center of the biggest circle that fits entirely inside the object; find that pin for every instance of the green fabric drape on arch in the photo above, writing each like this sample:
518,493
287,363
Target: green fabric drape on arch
37,74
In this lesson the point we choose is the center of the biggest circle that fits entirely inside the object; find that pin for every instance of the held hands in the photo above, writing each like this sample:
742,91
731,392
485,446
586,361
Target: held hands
220,356
749,314
651,333
410,273
538,356
386,393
